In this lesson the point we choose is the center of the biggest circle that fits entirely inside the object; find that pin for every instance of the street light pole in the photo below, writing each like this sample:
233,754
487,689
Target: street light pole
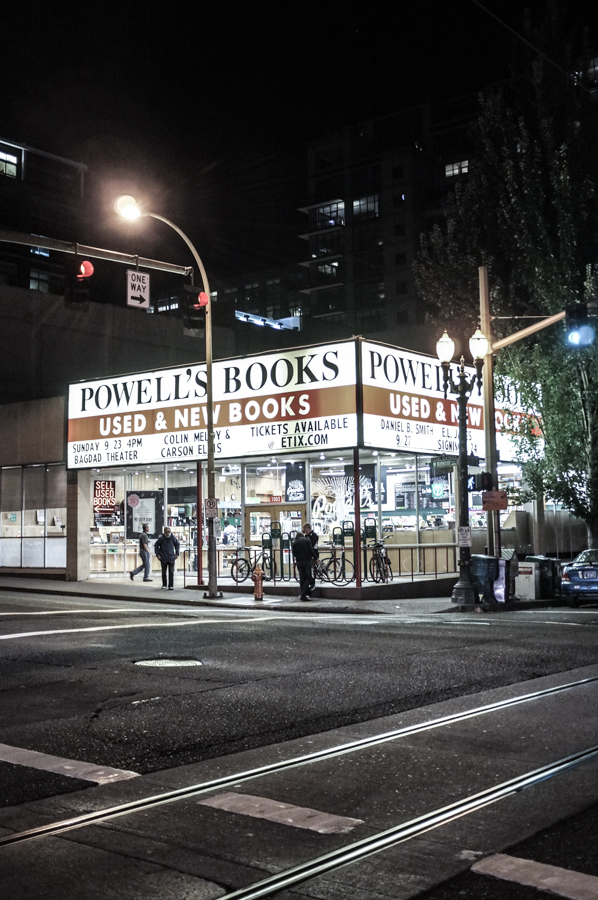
463,592
493,517
127,207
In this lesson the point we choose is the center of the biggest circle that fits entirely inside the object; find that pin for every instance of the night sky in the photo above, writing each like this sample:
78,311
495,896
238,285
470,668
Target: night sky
203,111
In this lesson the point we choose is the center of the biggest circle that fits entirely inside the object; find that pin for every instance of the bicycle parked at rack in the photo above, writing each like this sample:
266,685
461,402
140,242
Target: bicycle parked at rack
335,569
242,568
380,567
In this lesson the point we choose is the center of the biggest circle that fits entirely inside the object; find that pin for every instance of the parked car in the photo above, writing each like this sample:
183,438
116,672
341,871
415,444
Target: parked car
579,579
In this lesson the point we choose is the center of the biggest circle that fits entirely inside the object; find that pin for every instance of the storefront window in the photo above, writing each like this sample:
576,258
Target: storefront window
332,495
228,494
34,515
399,513
264,481
436,497
33,510
181,495
122,499
12,501
56,518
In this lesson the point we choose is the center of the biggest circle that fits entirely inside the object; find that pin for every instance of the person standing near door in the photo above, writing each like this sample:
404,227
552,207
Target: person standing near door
167,550
144,554
304,554
312,537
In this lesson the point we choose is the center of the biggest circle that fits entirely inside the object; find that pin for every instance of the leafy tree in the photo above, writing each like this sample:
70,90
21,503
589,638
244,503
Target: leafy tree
529,212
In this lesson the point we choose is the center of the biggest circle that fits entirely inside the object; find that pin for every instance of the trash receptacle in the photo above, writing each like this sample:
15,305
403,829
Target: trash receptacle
501,587
548,575
484,572
511,570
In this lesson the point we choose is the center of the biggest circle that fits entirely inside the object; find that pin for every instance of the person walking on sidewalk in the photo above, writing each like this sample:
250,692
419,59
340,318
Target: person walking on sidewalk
304,554
167,551
144,554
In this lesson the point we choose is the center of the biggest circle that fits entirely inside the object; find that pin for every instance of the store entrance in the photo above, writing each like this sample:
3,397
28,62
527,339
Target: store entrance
258,520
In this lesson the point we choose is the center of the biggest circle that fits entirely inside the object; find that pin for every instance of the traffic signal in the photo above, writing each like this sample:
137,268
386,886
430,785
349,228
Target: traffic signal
486,481
77,273
195,305
482,481
578,330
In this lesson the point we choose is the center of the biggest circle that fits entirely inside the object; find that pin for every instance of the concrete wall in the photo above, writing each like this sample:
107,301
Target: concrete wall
32,432
45,343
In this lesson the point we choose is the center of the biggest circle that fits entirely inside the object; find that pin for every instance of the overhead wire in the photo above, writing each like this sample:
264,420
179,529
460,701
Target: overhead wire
529,44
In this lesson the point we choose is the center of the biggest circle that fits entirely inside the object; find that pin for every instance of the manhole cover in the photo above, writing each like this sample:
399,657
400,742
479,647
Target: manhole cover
168,662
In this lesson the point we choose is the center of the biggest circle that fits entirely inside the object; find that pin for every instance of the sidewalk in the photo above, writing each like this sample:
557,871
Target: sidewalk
192,595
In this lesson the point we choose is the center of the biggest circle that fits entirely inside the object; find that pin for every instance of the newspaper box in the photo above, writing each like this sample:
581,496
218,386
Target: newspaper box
527,583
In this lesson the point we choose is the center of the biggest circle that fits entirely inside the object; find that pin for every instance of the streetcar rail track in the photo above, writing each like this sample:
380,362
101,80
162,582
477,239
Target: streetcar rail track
145,803
398,834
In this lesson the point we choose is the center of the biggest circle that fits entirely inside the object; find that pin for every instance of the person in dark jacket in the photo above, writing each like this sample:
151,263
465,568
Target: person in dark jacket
304,554
311,535
167,550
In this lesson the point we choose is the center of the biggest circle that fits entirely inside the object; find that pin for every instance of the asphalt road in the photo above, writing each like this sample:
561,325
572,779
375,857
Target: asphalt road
72,687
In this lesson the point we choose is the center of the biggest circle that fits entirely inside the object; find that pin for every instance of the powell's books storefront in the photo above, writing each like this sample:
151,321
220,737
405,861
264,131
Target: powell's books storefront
292,430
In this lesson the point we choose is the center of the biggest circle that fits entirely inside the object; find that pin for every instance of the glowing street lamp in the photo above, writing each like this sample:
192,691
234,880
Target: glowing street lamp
463,592
127,207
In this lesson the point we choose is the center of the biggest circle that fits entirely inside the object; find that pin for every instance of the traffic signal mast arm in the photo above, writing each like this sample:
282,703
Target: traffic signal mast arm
531,329
14,237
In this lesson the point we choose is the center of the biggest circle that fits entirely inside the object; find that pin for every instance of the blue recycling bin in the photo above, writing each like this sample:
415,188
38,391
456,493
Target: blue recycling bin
484,572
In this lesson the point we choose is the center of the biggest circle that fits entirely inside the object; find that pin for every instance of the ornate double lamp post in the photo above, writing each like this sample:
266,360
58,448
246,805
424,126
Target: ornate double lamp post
463,592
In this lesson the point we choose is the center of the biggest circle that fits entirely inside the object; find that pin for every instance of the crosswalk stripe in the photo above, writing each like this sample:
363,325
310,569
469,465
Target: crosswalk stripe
70,767
563,882
283,813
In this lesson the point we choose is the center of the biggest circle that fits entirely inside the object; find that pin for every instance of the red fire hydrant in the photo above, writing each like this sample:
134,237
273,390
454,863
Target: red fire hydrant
258,583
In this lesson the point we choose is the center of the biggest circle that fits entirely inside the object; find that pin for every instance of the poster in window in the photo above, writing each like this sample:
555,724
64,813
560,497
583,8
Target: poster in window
106,509
144,507
295,483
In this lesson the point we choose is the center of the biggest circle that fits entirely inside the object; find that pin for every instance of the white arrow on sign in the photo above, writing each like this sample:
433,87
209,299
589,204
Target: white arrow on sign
138,289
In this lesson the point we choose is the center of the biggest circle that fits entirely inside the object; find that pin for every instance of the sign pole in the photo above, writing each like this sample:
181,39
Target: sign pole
357,535
199,522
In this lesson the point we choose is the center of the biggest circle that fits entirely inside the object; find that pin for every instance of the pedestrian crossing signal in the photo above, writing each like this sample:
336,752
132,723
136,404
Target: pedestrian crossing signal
482,481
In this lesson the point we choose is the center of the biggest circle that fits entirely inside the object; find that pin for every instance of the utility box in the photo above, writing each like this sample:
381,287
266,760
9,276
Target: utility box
484,572
527,582
548,575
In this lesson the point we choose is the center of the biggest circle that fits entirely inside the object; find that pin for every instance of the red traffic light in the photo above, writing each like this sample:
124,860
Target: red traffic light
85,269
201,301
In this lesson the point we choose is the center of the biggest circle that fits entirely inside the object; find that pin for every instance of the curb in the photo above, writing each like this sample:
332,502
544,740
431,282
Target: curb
321,605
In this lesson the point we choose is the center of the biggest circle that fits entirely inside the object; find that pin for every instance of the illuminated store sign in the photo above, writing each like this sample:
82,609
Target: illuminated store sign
274,403
404,406
284,402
